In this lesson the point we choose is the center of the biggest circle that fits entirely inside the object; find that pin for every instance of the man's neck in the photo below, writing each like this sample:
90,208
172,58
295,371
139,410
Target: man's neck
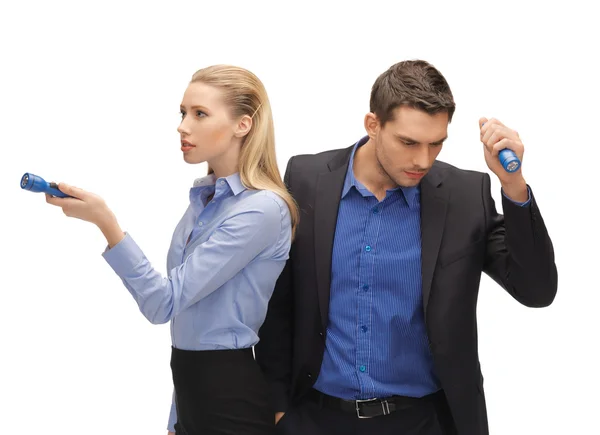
367,170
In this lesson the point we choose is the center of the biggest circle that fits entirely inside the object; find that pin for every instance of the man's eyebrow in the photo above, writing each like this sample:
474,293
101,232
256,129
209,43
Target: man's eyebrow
408,139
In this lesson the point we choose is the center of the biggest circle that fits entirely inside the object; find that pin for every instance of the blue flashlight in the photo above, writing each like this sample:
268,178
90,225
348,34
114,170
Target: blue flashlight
508,159
35,183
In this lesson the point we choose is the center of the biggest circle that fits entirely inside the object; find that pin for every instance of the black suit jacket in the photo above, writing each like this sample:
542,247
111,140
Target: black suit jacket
462,235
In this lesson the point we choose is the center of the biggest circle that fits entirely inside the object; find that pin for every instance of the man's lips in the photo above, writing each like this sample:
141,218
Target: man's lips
414,174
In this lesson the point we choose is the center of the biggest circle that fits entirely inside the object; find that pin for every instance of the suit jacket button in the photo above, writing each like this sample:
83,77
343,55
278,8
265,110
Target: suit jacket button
309,375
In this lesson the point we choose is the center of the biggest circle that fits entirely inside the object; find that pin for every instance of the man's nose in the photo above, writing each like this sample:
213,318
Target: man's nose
421,157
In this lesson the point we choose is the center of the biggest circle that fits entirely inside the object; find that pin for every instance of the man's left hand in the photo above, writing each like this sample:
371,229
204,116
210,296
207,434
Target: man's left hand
495,137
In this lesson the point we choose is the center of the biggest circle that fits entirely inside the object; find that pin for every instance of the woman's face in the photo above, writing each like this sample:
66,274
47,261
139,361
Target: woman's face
208,134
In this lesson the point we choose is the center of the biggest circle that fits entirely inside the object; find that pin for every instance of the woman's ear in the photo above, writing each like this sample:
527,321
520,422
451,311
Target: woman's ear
243,126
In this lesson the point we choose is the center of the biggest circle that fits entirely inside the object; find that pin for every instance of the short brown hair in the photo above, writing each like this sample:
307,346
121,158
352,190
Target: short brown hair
413,83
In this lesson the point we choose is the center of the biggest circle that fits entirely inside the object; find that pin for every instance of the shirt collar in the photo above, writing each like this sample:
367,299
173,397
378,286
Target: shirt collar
350,180
233,182
411,194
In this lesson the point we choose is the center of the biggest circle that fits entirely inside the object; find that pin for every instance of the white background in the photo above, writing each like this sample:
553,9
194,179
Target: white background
90,93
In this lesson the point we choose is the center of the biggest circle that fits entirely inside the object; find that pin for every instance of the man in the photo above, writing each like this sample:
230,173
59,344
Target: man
372,326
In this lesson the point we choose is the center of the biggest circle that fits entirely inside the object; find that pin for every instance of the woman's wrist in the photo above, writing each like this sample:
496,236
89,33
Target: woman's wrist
111,229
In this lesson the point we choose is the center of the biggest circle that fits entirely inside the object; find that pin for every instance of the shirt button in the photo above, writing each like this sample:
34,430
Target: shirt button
200,224
222,181
362,368
364,328
365,287
375,210
368,248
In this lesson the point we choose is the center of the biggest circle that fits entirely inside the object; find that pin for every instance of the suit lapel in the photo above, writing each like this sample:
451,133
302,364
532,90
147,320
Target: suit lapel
434,202
328,194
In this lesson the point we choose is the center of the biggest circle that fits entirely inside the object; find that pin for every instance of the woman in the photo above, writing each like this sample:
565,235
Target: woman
225,256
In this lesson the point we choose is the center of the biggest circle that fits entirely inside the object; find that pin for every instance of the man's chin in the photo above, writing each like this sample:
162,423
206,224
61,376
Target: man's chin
405,181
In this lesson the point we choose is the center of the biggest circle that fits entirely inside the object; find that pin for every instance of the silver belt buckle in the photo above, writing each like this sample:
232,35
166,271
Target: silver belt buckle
384,405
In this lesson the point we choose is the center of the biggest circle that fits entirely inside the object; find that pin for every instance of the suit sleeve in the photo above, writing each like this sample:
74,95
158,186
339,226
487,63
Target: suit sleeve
519,254
273,352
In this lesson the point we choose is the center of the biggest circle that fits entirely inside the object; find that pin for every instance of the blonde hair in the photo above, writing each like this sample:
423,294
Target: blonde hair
245,94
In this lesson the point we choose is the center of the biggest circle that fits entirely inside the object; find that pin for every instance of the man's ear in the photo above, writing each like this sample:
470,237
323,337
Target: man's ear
372,125
243,126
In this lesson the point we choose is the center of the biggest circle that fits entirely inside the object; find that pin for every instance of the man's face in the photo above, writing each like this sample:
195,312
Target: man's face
409,143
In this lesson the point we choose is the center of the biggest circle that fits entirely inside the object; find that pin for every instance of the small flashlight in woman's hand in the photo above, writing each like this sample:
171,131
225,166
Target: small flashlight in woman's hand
35,183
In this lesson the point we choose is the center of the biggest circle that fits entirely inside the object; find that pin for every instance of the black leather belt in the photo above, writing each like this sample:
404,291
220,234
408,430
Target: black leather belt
368,408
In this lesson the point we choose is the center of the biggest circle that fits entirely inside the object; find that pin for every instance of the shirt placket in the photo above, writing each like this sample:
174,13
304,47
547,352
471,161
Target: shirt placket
365,296
203,218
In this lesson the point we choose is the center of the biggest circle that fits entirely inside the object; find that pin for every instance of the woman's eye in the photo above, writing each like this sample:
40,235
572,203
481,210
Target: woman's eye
200,113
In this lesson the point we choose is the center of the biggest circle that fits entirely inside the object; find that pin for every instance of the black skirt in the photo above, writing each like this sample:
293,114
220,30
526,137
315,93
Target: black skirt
220,392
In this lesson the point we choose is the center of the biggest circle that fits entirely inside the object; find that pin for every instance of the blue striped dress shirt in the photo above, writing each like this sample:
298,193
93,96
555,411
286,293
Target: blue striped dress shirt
223,263
376,343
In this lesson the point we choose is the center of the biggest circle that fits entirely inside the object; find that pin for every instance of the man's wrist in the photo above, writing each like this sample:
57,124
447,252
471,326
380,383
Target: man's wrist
516,190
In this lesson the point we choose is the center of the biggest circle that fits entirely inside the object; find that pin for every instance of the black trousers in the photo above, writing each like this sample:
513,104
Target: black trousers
312,418
220,392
